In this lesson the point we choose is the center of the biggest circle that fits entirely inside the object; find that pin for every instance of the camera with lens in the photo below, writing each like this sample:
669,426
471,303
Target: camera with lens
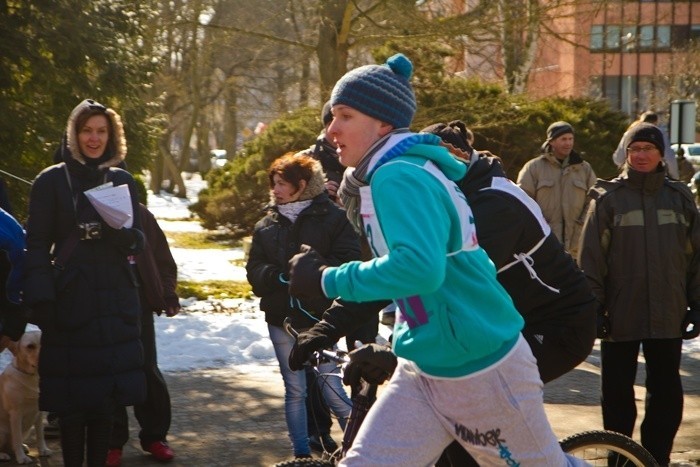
90,230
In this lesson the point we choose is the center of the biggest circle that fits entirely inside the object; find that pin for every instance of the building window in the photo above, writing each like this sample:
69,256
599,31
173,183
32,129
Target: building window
629,38
695,32
597,35
612,37
620,92
663,37
646,37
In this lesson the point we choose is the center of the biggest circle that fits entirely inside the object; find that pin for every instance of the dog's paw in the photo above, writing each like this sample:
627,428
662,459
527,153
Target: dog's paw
25,459
4,456
45,452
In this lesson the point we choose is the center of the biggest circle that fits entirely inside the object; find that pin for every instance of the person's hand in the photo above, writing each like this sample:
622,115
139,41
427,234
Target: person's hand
122,238
172,306
691,325
305,270
320,336
372,362
14,321
603,324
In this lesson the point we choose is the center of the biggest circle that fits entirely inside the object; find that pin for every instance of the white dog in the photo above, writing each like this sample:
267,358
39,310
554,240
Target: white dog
19,399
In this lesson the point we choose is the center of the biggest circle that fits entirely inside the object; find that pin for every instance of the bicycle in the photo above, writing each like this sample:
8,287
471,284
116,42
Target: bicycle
596,447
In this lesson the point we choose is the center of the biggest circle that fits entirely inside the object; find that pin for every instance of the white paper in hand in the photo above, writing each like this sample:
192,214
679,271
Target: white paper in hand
113,204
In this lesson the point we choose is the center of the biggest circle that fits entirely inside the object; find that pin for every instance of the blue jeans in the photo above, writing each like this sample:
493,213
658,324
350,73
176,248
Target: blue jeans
295,391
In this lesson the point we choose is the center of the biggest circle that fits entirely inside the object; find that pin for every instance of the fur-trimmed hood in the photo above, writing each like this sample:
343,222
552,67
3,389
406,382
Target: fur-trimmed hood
117,141
314,187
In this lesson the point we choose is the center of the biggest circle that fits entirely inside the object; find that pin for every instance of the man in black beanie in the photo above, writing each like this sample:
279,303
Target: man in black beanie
668,156
638,225
558,180
324,151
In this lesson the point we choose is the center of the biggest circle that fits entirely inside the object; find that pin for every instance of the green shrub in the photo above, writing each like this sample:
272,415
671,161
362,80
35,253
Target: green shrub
238,192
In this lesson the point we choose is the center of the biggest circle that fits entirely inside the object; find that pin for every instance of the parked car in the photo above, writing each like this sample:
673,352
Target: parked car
692,153
218,158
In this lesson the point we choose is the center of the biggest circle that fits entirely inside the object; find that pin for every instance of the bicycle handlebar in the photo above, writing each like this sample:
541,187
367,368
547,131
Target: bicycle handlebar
337,356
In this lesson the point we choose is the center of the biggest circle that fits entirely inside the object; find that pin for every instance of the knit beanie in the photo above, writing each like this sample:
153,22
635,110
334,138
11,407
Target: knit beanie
646,132
380,91
557,129
326,115
454,132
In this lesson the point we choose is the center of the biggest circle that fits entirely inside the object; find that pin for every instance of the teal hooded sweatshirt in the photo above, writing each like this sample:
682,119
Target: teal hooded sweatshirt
454,317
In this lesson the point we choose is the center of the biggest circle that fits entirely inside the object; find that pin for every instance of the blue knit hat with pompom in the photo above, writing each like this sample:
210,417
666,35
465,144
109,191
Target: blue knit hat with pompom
380,91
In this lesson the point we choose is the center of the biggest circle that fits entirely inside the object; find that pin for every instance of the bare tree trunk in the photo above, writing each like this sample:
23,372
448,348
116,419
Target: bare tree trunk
176,184
231,119
333,43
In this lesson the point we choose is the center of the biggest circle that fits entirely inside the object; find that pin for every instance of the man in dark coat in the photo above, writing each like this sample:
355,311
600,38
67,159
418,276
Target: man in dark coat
157,272
640,250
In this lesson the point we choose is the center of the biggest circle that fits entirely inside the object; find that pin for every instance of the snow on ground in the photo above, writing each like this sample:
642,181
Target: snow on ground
198,338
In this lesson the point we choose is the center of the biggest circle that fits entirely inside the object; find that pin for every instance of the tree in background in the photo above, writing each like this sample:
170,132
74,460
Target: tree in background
511,126
55,53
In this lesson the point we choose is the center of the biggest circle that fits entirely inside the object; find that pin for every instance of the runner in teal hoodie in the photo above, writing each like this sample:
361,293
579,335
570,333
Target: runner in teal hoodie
464,371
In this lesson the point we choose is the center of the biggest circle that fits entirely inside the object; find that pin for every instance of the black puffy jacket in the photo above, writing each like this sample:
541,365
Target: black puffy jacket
323,226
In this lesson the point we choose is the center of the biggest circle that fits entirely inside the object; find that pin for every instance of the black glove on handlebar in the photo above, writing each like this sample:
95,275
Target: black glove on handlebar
322,335
305,270
372,362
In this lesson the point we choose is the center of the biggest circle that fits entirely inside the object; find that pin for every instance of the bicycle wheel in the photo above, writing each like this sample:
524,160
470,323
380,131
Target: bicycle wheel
607,448
306,463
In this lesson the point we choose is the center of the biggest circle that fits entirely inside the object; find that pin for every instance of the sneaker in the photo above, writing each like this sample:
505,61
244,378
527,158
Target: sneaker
160,451
323,443
114,458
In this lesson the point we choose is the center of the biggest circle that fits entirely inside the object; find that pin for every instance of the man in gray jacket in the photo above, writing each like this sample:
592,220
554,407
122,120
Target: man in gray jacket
640,252
558,180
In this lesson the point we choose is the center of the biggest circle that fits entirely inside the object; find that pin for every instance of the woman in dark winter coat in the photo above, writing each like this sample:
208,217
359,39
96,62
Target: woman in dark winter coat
301,213
81,285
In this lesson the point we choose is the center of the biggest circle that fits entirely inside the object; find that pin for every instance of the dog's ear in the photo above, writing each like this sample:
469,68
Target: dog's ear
9,344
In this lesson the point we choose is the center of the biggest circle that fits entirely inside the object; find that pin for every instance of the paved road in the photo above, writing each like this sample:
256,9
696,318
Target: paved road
224,418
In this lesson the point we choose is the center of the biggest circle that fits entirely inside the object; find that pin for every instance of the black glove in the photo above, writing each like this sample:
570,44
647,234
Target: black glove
321,336
14,321
372,362
305,271
692,319
41,314
603,323
122,238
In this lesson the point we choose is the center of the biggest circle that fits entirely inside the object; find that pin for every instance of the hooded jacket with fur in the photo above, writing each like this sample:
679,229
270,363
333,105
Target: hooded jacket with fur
89,306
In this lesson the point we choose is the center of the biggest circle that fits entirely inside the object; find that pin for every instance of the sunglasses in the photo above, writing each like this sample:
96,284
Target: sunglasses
643,149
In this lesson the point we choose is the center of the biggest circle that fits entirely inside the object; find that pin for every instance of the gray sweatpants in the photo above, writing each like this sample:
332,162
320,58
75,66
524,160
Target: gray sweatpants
497,414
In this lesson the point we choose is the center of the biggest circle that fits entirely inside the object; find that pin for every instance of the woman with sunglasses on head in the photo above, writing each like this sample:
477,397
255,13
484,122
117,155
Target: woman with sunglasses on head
81,286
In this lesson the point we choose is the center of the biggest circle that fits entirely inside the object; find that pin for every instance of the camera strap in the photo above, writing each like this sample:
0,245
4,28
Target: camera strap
71,242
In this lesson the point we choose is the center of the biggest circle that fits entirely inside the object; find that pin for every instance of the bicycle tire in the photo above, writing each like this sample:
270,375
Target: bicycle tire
306,463
595,447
